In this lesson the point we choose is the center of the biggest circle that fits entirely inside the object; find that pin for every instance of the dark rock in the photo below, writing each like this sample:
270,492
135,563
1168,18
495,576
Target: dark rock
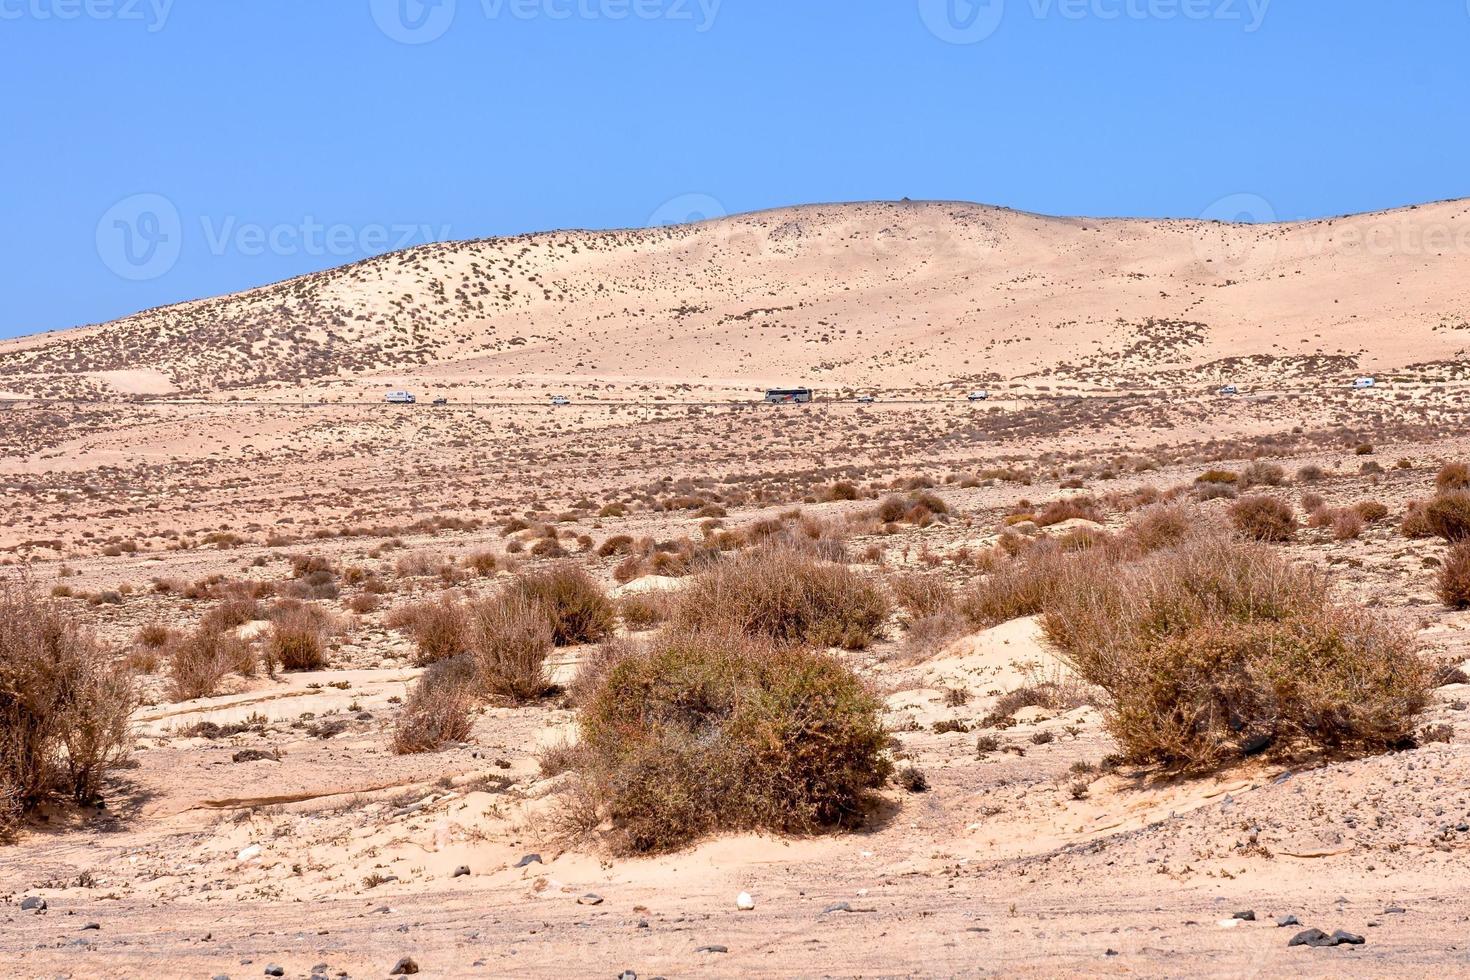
91,925
713,949
1248,916
1287,920
255,755
1346,938
462,871
404,967
590,899
1395,910
1311,937
32,902
528,860
275,971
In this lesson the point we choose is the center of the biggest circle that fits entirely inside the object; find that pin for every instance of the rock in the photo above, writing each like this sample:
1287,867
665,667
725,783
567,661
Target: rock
91,926
1346,938
462,871
1287,920
255,755
251,853
275,971
32,902
627,975
529,860
1395,910
404,967
1310,937
1228,923
838,907
744,902
590,899
713,949
1246,916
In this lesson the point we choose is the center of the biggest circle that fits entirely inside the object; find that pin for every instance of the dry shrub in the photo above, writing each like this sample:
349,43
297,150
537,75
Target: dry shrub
840,491
1262,474
200,660
437,627
1416,523
927,635
787,597
1371,510
1262,518
578,608
1217,476
1219,649
437,711
297,639
595,664
482,563
64,707
1347,524
702,733
1454,576
510,638
923,595
1071,508
1448,515
645,610
1016,588
1311,473
1162,526
153,635
1453,476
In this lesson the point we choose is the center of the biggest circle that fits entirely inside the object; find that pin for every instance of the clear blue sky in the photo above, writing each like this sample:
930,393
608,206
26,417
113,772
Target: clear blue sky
276,137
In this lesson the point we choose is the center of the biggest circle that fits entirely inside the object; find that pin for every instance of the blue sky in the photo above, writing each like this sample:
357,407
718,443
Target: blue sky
163,150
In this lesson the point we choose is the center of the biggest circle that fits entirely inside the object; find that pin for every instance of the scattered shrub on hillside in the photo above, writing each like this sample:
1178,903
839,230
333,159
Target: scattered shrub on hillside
1416,522
840,491
786,596
510,638
1218,476
437,627
1219,649
1454,576
578,609
1262,518
922,595
64,707
1453,476
701,733
1262,474
1162,525
1371,510
1448,515
437,710
645,610
1347,524
1016,588
1311,473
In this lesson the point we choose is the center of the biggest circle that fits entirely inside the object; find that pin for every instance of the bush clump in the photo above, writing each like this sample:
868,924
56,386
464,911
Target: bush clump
1217,650
297,639
201,659
510,638
705,732
1262,518
577,607
1454,576
787,597
64,707
437,711
1448,515
437,627
1452,476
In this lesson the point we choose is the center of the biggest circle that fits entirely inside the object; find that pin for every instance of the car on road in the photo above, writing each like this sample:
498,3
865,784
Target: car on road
1365,382
441,400
401,398
866,399
979,396
560,400
1228,390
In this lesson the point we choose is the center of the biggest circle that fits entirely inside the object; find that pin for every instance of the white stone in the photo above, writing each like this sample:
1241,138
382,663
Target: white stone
744,902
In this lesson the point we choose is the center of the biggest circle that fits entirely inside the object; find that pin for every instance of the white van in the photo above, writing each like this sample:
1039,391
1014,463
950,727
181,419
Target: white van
401,398
979,396
561,400
1228,390
1364,383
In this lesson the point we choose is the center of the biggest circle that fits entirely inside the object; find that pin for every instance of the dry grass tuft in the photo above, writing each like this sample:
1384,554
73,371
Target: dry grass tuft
1448,515
1454,576
297,639
200,660
437,711
1262,518
437,627
510,638
578,608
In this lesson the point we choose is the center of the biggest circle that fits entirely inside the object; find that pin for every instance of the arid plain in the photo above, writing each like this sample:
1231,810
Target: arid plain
227,470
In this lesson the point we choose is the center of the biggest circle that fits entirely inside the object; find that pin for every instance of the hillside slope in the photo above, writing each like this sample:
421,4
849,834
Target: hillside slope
881,295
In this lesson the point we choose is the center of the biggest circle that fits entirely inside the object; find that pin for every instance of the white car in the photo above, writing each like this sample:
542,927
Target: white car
561,400
1228,390
866,399
979,396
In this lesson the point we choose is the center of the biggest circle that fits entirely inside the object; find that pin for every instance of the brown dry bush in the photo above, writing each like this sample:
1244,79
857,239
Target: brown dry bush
1262,474
1347,524
153,635
1262,518
1415,523
645,610
786,596
1448,515
1452,476
510,638
1454,576
922,595
577,607
1071,508
1219,649
927,635
703,733
201,659
64,707
1371,510
1016,588
1162,526
297,640
437,710
437,627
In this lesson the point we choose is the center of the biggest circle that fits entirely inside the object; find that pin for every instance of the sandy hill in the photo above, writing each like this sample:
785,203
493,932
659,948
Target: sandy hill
878,295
